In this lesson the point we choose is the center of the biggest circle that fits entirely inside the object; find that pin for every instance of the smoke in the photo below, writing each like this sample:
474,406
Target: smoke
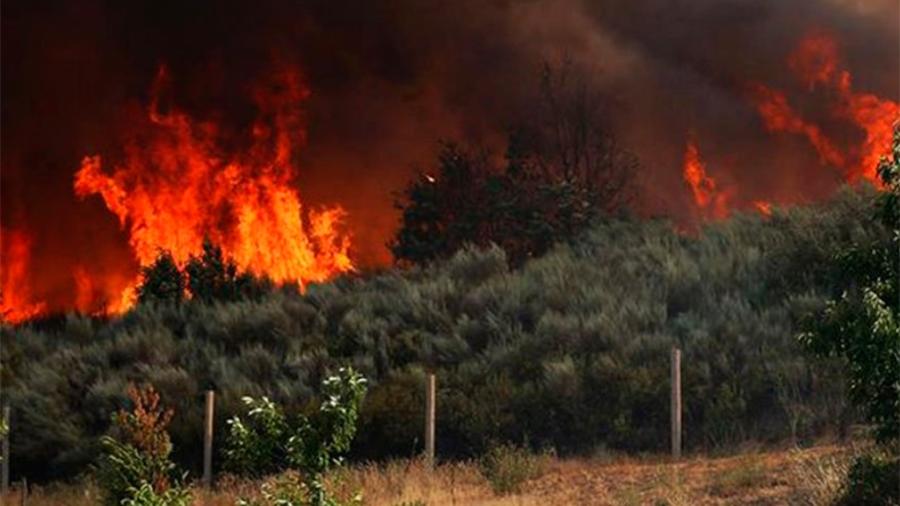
389,79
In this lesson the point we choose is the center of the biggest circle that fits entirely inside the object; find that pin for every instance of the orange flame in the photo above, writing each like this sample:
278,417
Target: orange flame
176,186
15,300
778,116
709,199
816,61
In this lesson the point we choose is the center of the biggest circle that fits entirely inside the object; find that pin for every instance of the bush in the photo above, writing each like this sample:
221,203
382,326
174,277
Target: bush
310,444
874,479
135,469
147,496
508,467
259,446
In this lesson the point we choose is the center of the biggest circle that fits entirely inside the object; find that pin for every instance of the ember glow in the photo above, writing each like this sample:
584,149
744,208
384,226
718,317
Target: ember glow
176,186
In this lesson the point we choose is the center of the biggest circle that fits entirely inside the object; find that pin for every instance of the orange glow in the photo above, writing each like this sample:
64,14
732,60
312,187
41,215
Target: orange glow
15,299
778,116
84,290
816,61
177,186
764,208
709,199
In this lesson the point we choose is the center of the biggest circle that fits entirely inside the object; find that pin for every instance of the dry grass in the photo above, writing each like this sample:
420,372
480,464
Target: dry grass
808,476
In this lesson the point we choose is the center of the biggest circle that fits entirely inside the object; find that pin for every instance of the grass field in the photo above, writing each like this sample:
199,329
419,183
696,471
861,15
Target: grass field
796,476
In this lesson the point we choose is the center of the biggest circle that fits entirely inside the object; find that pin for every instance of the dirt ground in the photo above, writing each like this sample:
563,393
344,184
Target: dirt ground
795,476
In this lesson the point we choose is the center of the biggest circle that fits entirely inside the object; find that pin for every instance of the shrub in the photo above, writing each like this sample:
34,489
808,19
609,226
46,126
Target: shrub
148,496
508,467
135,469
283,490
311,444
258,446
874,479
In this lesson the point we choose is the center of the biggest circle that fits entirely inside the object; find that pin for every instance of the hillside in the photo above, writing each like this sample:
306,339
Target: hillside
569,352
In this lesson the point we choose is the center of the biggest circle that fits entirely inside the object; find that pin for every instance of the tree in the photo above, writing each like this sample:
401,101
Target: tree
270,441
211,276
161,281
862,324
563,169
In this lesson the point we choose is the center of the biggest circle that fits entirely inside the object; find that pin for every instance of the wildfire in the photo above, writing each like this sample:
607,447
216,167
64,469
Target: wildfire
176,186
709,198
15,300
816,62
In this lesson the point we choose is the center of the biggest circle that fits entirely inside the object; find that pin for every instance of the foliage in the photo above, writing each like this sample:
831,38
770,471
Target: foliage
135,469
258,446
213,278
571,351
161,281
563,170
862,325
874,479
209,277
283,490
146,495
310,444
508,467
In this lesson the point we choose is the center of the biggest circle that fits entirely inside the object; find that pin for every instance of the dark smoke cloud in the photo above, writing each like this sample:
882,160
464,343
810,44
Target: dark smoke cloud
389,79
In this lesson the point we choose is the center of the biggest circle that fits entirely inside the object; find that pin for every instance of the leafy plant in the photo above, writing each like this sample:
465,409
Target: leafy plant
135,465
283,490
862,325
146,495
311,444
874,479
257,446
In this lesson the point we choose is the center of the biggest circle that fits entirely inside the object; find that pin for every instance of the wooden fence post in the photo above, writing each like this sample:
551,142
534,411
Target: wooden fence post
429,418
4,469
208,438
676,403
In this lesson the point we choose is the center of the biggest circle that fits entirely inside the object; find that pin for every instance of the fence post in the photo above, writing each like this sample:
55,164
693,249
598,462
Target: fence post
208,438
429,418
676,403
4,469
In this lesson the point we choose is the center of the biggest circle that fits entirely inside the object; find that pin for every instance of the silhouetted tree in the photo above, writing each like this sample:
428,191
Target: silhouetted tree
562,170
211,276
161,281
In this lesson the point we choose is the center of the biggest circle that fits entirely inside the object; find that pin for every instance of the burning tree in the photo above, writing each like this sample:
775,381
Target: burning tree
563,170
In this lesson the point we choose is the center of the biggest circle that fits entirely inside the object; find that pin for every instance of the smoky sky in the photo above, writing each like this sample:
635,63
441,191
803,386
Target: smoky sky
389,79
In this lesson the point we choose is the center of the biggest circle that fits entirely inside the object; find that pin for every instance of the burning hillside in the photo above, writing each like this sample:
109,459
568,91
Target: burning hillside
280,130
176,187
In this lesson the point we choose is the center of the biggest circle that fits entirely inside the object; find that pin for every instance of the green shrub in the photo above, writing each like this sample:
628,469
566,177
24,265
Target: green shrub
257,447
147,496
507,468
135,468
310,444
874,479
283,490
